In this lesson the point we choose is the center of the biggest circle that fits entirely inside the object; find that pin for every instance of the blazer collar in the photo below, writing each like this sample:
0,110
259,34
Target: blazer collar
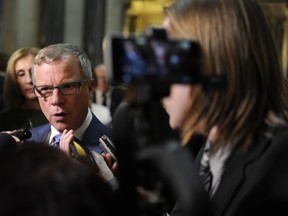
234,174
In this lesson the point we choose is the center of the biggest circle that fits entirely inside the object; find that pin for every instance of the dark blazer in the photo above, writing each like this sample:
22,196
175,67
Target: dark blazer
14,119
7,145
117,96
254,182
91,136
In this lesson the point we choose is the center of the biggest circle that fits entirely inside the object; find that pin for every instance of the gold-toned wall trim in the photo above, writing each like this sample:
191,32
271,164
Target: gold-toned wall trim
144,13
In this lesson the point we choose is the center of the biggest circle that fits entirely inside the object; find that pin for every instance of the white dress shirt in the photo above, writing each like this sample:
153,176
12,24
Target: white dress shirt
77,133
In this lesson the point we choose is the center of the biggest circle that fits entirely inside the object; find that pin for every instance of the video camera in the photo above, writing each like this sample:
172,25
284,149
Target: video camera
150,156
153,62
139,59
152,59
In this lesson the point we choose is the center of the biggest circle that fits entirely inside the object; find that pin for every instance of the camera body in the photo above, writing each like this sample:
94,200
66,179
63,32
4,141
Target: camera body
150,156
151,59
22,134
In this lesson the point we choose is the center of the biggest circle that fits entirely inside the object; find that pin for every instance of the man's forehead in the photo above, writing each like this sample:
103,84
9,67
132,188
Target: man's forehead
49,74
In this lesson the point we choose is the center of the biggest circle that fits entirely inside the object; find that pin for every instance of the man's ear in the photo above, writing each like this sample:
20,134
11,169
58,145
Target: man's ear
90,95
91,85
91,88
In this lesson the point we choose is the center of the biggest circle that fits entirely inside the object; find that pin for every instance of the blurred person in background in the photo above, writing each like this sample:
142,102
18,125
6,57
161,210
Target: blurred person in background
39,180
22,109
101,103
3,64
103,88
105,93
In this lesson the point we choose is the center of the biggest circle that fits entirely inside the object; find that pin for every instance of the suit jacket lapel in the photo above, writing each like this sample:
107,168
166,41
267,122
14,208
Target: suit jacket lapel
44,134
233,176
92,135
40,134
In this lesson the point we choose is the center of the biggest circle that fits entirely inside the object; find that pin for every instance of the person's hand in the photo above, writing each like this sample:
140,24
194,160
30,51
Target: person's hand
104,171
66,139
14,137
110,161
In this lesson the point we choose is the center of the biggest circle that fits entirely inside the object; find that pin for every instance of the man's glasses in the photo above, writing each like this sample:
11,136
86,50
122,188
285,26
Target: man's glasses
71,88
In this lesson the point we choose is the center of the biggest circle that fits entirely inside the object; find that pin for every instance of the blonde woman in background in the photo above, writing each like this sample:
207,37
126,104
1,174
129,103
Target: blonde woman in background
22,109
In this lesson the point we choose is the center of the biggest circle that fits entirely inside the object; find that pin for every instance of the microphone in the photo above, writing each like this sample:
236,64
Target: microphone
80,150
107,145
22,134
8,143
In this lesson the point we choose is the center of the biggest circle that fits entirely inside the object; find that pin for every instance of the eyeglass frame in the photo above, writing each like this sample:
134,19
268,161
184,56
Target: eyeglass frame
79,83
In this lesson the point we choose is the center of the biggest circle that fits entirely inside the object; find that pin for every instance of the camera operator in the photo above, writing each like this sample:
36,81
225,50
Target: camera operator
153,168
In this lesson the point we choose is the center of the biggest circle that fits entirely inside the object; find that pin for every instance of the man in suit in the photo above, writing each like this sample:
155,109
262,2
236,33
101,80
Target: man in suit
107,94
63,83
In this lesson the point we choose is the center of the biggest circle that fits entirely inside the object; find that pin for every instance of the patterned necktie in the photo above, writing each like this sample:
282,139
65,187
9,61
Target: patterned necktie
205,172
56,140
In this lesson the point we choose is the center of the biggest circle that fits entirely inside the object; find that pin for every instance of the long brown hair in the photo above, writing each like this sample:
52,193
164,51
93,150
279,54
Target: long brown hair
236,43
12,95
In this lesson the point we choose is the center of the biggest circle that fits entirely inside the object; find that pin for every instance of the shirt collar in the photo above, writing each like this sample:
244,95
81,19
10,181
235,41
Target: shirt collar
77,133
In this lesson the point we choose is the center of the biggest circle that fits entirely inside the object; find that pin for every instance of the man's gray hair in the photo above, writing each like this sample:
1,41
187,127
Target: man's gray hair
53,52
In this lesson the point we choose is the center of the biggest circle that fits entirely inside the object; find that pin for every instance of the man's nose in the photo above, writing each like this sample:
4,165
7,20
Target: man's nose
56,97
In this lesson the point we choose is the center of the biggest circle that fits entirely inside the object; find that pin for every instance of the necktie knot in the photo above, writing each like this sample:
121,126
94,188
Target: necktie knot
56,140
104,101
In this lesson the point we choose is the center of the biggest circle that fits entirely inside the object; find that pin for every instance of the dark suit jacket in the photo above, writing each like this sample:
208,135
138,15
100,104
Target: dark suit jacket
117,96
254,182
7,145
91,136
